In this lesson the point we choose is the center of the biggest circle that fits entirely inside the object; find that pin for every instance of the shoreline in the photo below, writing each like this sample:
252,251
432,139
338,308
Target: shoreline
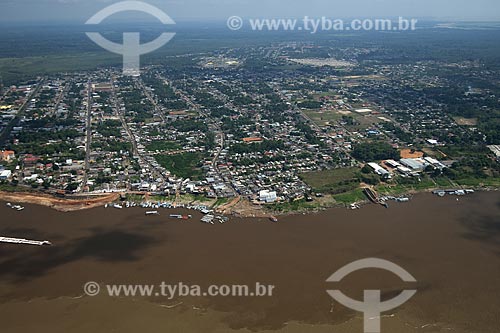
59,204
242,208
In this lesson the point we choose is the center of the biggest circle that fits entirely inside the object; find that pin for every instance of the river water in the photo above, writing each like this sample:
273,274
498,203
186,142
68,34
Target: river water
451,247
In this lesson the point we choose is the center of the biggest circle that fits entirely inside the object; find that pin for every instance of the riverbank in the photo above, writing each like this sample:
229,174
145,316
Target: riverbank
239,207
59,204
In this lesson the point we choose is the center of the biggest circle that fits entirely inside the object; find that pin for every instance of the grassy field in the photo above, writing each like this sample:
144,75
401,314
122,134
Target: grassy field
320,118
11,188
13,69
400,187
182,165
479,182
443,181
162,146
392,190
350,197
332,181
220,202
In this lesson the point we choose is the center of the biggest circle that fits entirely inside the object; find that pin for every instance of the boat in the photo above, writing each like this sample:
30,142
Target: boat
9,204
152,212
208,219
17,207
273,218
222,219
23,241
117,206
176,216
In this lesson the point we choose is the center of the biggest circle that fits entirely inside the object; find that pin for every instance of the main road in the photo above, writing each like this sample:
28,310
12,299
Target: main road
135,150
88,138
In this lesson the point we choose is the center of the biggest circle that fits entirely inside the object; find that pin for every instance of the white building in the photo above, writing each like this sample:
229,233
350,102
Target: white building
5,174
267,196
432,142
435,163
379,170
416,164
392,163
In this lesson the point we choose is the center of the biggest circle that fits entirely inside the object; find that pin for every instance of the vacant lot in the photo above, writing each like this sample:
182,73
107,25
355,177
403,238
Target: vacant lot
182,165
465,121
162,146
332,181
410,153
323,117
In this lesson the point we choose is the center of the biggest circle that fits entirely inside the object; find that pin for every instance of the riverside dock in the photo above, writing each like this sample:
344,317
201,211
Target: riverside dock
23,241
372,195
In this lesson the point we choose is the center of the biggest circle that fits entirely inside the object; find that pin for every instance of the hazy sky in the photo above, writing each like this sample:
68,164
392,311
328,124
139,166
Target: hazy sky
80,10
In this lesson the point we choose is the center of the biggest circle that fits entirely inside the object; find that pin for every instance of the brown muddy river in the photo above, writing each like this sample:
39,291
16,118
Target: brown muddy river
451,247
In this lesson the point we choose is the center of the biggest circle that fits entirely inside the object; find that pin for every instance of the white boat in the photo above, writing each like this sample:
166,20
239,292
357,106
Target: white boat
117,206
152,212
208,219
17,207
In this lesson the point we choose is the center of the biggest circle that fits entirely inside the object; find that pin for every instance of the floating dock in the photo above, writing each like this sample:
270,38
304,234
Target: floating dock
23,241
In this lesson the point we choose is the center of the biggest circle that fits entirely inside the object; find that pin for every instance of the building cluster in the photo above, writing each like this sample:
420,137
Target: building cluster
227,130
406,167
